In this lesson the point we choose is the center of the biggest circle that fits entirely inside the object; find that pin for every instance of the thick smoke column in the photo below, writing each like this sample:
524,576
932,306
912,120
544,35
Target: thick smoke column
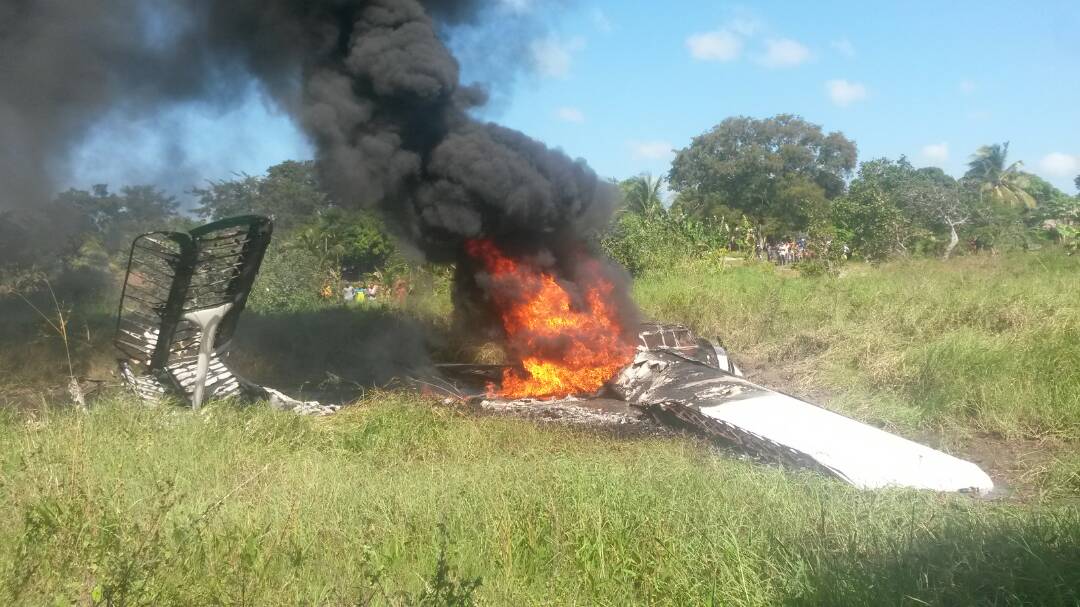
369,81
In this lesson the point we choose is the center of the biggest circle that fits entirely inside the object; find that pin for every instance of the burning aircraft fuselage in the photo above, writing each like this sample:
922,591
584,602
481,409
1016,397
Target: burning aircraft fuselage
564,346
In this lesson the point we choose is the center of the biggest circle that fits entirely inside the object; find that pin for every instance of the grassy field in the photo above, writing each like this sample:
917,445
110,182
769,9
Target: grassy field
403,501
156,506
989,344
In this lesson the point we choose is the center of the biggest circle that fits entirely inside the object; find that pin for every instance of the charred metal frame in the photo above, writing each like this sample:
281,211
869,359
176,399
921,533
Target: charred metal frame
182,298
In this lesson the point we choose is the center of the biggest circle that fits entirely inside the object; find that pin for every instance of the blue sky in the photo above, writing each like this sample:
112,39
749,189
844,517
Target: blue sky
621,84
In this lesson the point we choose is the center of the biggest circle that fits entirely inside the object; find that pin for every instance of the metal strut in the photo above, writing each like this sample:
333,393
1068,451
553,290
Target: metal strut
208,320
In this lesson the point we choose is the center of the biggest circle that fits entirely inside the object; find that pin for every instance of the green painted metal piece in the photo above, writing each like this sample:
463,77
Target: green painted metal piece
171,278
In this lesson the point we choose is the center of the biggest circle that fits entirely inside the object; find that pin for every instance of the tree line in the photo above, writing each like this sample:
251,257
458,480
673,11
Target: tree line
748,182
82,236
740,186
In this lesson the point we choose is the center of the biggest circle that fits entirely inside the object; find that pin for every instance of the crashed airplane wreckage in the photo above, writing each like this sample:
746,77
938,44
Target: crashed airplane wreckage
182,299
184,293
675,377
679,380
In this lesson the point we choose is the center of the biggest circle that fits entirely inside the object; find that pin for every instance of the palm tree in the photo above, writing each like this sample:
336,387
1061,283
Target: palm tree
642,195
1001,182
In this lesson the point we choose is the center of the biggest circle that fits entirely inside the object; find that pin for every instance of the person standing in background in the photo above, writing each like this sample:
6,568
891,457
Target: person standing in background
401,290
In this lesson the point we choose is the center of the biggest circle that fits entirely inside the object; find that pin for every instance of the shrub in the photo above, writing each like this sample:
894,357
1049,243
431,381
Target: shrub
292,279
652,243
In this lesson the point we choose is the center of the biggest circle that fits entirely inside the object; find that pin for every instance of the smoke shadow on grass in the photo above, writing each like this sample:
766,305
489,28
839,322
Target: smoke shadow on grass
334,350
973,557
33,355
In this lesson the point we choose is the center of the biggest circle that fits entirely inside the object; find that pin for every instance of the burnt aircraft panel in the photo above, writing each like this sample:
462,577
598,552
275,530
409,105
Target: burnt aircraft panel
670,385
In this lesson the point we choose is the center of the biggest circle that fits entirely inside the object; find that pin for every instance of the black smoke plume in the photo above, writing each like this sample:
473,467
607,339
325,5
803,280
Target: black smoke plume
369,81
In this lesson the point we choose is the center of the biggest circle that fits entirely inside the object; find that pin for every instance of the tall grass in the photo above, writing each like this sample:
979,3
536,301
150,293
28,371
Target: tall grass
158,506
989,343
49,336
400,501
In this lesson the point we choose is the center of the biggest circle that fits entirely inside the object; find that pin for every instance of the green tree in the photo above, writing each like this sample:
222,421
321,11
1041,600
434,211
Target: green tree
72,238
354,240
291,279
777,171
938,200
1056,215
641,194
871,217
116,218
1052,203
1044,192
1000,182
290,193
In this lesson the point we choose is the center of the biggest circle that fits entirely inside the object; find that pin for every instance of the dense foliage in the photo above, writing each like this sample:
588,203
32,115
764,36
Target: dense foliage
57,236
786,179
291,279
738,189
316,241
778,171
289,192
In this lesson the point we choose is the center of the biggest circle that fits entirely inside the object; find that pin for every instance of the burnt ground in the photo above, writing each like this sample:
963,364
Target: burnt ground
606,416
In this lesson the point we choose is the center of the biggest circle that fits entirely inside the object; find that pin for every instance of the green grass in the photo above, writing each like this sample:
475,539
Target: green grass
990,344
403,501
156,506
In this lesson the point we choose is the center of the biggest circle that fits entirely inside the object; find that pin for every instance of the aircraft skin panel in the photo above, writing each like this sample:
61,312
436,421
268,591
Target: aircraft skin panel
695,391
865,456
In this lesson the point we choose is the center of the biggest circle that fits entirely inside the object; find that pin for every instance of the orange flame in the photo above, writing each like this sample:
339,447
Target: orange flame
563,350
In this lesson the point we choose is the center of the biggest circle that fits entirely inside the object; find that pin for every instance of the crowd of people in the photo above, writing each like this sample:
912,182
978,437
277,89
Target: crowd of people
374,291
787,251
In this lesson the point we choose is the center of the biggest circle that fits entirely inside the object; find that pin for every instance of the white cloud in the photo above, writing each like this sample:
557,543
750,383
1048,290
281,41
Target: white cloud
570,114
1057,164
719,45
843,46
724,44
553,56
967,87
844,93
784,52
935,153
652,150
601,21
728,43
